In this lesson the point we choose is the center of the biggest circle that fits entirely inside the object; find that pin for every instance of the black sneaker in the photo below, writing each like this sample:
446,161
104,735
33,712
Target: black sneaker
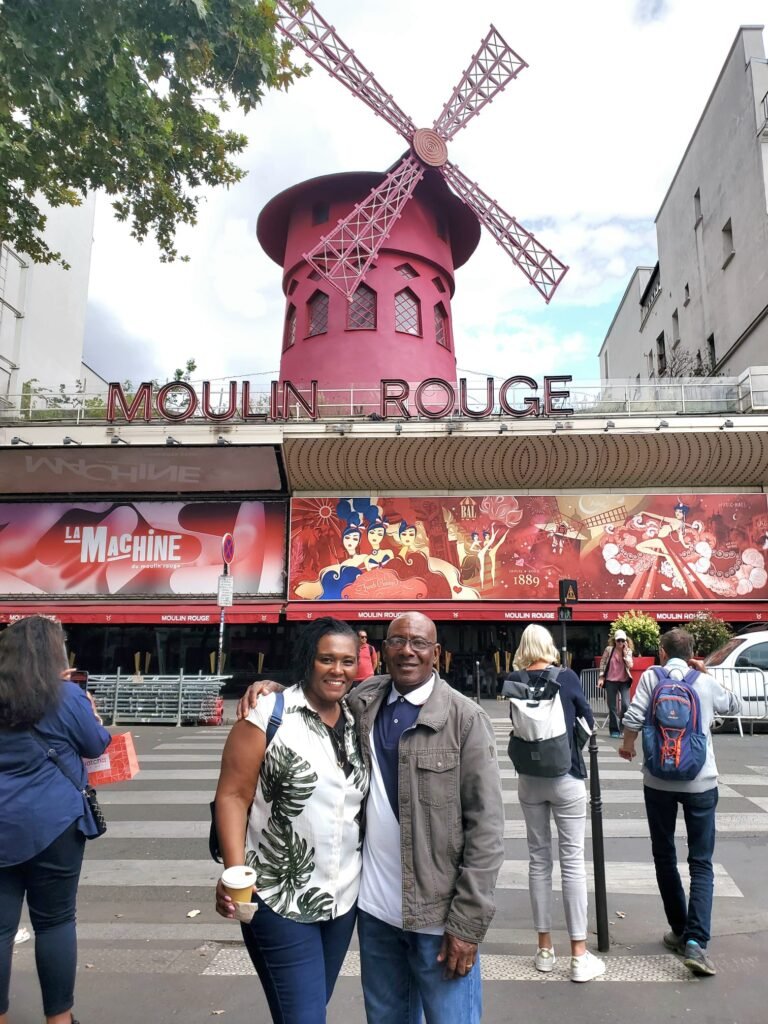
696,959
674,942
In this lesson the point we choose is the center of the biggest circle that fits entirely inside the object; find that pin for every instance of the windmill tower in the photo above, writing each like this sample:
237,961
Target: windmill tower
370,253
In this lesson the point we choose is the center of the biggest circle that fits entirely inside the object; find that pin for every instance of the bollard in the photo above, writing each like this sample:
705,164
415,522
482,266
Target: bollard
598,848
477,682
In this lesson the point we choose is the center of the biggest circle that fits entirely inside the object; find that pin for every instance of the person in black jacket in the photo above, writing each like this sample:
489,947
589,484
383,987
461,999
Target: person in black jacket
565,799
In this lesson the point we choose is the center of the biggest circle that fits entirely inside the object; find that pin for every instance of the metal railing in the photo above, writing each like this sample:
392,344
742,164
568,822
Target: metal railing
588,399
595,695
160,699
750,685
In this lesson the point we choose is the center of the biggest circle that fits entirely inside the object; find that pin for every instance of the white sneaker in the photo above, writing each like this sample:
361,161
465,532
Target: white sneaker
544,960
586,967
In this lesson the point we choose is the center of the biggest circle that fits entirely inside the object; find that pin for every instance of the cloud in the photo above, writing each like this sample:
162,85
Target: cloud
651,10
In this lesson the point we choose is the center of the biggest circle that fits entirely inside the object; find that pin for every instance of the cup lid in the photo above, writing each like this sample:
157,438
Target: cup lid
238,876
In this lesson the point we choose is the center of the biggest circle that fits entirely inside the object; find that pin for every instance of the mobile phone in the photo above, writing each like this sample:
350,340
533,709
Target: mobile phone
79,676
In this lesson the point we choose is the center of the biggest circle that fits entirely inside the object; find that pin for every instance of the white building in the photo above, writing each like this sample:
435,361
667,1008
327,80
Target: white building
705,303
42,311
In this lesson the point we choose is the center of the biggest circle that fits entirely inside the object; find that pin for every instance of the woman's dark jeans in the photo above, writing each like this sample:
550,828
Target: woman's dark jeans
298,964
49,880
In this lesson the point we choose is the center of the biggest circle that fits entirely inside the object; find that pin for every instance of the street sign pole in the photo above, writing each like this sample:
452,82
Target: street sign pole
225,593
220,659
569,595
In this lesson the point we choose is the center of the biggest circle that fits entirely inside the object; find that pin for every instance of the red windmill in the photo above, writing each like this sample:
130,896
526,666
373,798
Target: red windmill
344,255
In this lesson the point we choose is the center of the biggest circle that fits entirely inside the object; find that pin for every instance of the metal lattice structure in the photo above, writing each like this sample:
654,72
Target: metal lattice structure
344,255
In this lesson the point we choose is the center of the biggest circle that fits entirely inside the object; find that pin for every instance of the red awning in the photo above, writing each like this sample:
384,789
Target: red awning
540,611
140,613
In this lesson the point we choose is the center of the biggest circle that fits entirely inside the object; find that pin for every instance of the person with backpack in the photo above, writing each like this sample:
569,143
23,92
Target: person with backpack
549,713
673,708
289,804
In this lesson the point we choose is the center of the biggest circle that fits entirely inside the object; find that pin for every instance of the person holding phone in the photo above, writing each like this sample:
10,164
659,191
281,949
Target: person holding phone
615,675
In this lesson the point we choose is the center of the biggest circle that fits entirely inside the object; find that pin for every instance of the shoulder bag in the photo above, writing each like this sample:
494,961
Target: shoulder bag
88,791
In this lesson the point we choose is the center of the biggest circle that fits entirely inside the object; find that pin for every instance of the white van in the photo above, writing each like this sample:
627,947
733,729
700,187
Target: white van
741,665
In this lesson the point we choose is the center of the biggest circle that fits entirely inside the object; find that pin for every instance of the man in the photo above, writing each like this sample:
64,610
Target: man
434,827
690,923
367,658
615,674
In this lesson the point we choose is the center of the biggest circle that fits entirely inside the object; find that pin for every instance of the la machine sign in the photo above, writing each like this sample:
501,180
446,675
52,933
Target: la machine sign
434,399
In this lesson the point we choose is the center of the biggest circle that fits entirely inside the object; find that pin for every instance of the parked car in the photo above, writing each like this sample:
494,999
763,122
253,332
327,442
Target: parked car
741,665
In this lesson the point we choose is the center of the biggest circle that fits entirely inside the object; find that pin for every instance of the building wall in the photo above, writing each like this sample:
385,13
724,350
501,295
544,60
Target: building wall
713,295
42,316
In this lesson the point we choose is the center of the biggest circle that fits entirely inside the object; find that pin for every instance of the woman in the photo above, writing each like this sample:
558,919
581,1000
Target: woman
44,818
302,835
565,798
615,675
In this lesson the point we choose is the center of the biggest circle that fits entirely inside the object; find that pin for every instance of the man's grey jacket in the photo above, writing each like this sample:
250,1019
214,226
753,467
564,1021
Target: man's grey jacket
451,810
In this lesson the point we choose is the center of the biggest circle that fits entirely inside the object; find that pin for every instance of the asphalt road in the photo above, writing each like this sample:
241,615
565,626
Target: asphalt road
142,959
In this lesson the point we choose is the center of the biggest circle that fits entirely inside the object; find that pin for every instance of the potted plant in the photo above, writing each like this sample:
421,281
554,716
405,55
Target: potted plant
708,633
644,633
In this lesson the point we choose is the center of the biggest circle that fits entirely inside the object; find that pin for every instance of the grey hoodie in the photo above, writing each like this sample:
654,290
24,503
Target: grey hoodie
713,698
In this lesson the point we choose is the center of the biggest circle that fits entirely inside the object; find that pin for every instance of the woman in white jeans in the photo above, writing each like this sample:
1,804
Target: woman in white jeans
565,799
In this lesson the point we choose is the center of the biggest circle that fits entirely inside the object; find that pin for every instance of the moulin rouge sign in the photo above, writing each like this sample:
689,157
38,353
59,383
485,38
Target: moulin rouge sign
432,399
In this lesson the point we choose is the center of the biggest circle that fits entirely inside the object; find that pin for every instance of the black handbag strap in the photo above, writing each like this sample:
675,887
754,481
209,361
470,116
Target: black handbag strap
51,754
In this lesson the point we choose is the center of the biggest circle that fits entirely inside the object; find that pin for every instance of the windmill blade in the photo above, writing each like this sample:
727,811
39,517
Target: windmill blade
542,268
320,41
491,69
344,255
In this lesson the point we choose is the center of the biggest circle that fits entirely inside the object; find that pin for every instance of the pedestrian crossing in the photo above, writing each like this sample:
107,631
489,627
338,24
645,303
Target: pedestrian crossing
154,857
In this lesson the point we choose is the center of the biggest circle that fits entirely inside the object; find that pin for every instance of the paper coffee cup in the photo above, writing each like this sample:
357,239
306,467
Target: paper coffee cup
238,882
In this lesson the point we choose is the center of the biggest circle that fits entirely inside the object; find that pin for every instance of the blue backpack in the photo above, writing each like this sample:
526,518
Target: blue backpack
674,743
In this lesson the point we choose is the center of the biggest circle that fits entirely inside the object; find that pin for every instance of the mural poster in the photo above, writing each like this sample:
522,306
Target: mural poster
157,548
636,547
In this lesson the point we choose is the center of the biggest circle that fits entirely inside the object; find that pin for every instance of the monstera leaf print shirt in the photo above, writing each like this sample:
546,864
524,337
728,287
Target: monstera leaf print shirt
304,830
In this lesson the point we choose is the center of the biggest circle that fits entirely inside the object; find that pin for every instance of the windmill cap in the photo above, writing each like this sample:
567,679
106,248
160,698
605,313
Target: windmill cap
619,635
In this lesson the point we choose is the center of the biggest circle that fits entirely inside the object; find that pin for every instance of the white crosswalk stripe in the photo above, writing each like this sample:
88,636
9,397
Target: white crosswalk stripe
181,772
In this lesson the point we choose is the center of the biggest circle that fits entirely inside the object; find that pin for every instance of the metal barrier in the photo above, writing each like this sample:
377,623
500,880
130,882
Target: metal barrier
750,685
595,695
163,699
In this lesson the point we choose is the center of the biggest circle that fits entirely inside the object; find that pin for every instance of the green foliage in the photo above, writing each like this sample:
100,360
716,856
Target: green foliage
285,863
642,630
708,633
287,782
125,96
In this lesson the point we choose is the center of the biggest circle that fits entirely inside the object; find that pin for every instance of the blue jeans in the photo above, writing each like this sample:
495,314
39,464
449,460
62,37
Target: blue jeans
617,698
401,976
49,880
691,919
298,964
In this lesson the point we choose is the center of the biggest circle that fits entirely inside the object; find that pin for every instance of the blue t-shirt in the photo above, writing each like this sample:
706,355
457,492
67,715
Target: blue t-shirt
575,705
38,802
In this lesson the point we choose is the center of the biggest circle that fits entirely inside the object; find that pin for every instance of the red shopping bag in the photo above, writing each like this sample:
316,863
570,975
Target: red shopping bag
118,763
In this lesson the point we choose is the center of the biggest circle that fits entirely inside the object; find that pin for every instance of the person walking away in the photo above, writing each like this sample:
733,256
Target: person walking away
559,793
615,674
44,817
367,658
292,810
690,921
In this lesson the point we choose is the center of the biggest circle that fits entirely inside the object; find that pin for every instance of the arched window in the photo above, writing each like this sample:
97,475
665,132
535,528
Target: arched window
317,308
361,312
407,313
441,326
289,331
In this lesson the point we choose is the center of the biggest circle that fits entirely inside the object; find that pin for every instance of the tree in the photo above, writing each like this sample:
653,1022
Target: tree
685,363
123,96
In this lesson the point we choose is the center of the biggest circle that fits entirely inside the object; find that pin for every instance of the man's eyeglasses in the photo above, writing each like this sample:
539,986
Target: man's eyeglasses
399,643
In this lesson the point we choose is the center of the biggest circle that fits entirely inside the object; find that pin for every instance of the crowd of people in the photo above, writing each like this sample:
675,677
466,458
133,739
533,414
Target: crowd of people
359,800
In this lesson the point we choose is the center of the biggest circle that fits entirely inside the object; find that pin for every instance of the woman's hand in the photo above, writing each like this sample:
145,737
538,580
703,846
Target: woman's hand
92,702
224,903
251,696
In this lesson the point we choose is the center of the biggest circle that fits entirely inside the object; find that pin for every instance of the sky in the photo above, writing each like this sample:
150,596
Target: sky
581,148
